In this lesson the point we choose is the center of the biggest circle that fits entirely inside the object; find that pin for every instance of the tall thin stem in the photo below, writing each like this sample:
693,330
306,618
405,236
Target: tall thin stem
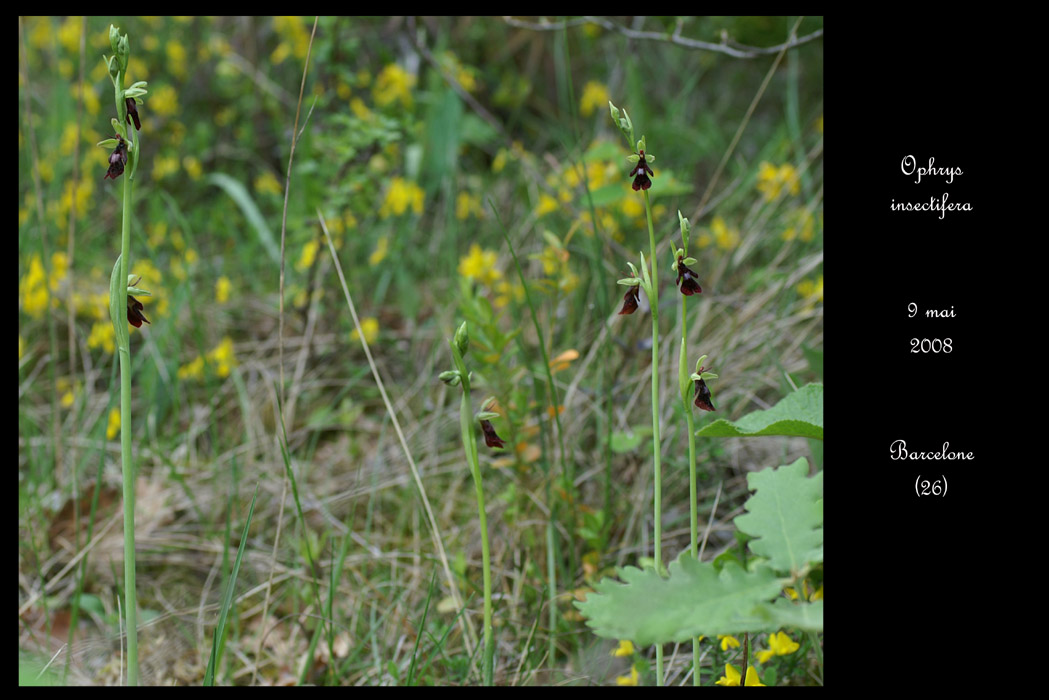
656,442
466,426
128,466
693,515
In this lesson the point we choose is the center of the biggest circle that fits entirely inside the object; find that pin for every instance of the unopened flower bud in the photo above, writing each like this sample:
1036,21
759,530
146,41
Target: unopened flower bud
462,339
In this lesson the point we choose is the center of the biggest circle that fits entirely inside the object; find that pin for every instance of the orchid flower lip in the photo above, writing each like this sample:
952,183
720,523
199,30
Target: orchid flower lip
689,286
630,300
641,180
491,438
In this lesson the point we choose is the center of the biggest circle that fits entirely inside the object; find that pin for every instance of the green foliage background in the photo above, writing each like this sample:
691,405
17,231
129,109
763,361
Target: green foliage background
412,129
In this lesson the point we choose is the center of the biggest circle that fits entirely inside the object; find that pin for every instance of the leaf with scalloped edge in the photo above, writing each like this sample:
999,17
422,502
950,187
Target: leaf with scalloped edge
785,516
799,413
695,599
787,613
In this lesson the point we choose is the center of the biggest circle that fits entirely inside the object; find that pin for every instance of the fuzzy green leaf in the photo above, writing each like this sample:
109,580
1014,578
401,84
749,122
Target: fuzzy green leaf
786,613
696,599
799,413
118,311
785,516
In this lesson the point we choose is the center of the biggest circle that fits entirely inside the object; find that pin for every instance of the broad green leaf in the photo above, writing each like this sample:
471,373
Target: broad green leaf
786,613
799,413
785,516
694,600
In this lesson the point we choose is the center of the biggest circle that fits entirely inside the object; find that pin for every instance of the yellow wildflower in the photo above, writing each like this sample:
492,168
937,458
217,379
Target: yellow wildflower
632,679
728,641
547,204
67,391
466,205
480,266
113,426
222,357
297,36
67,144
309,254
193,370
382,246
163,101
779,645
370,328
400,195
102,335
500,160
393,84
505,290
59,269
40,35
360,109
772,180
222,287
192,167
724,237
632,207
164,166
267,183
811,291
595,97
69,34
176,58
732,677
464,75
625,648
33,290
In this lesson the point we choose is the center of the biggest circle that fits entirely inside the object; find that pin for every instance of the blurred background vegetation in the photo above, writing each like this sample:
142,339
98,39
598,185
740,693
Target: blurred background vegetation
417,136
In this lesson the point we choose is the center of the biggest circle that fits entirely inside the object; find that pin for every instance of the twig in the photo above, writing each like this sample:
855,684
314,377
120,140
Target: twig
727,46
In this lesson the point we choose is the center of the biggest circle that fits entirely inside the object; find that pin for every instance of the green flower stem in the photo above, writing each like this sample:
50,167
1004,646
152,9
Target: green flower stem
118,293
693,515
466,426
656,442
124,351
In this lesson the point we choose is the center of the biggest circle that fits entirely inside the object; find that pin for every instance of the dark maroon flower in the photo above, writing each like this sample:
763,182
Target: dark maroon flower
703,399
134,312
689,286
132,112
490,438
117,159
631,299
641,182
